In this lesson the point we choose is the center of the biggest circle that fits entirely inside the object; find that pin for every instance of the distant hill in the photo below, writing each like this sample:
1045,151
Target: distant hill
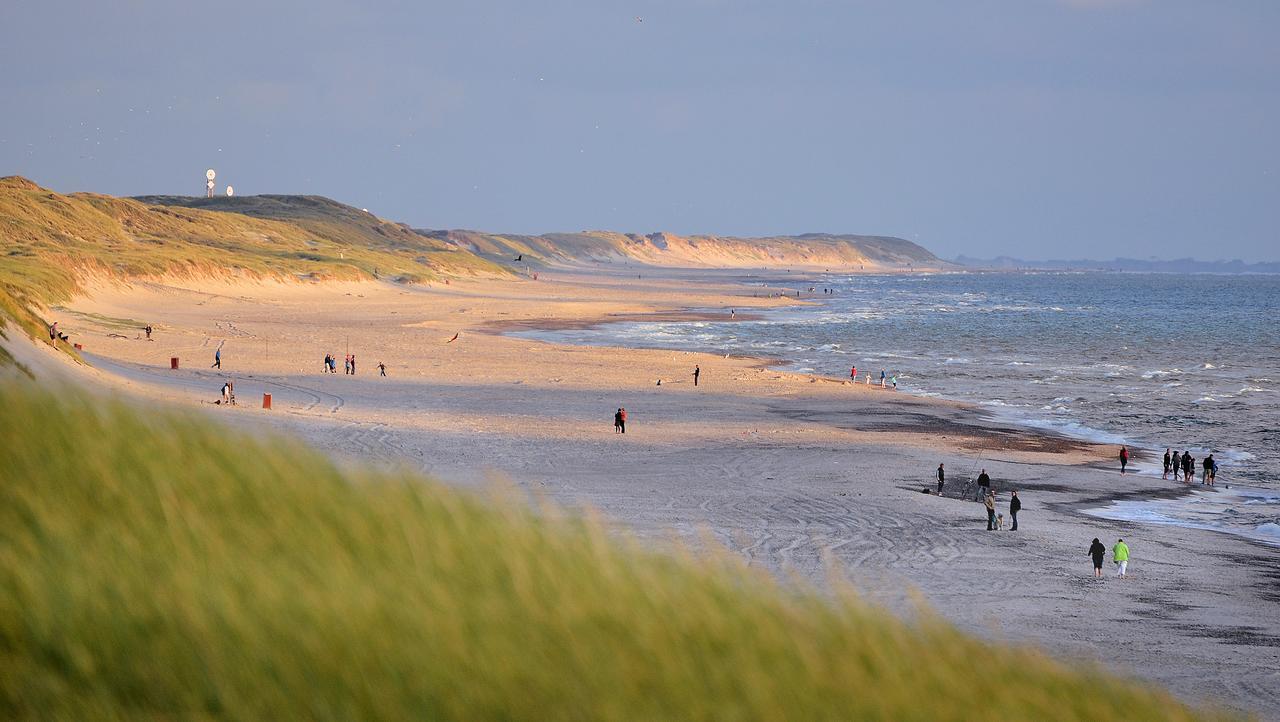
1151,265
665,249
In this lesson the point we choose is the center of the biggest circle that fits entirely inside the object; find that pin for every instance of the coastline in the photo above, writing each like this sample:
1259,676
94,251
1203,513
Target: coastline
791,473
1050,433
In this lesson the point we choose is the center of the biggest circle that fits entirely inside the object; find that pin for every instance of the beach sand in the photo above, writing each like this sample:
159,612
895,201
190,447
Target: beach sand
800,475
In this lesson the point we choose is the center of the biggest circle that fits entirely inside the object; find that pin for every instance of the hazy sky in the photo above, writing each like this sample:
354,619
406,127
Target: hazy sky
1036,128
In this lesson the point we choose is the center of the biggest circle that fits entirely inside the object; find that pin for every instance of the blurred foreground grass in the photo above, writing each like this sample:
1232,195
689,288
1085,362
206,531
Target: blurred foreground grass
157,565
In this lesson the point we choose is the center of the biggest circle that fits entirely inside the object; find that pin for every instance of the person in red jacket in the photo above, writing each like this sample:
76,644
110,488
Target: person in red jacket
1124,458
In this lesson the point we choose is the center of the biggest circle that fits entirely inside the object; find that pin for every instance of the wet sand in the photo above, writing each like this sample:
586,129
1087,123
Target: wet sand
794,473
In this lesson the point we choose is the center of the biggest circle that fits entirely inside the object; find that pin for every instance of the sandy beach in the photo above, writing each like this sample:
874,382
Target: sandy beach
801,475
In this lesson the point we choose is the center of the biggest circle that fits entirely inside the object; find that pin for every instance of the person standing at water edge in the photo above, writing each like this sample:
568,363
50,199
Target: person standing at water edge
697,371
990,503
1124,458
1188,467
1015,506
1120,555
853,374
942,477
1166,464
1098,552
1213,469
882,378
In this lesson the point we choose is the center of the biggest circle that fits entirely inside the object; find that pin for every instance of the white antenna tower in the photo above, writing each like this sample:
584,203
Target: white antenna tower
209,175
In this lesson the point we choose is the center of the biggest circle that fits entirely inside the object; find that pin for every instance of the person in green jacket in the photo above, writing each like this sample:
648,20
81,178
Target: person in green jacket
1120,555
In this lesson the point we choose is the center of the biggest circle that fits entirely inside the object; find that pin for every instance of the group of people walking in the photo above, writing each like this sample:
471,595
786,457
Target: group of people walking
348,364
1183,467
1119,556
995,520
886,380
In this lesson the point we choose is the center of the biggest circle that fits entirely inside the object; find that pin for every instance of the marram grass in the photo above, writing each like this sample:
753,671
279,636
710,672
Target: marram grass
157,565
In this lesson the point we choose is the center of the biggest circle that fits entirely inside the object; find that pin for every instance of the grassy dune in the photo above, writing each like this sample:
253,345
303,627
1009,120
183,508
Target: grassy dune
158,565
50,243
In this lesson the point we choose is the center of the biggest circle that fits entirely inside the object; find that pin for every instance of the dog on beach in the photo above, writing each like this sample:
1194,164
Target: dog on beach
1000,522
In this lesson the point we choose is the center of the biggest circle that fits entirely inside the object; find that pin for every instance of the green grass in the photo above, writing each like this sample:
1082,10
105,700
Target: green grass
158,565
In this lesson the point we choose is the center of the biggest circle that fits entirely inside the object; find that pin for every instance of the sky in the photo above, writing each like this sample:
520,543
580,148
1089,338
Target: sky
1033,128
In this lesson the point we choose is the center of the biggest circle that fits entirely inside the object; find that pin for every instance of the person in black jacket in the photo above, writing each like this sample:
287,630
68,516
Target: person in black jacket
984,484
1098,552
1014,507
942,477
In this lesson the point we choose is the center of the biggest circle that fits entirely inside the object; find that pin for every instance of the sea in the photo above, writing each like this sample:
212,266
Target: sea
1155,361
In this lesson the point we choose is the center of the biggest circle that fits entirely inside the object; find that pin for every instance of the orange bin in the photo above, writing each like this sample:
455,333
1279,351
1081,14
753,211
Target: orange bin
173,362
266,401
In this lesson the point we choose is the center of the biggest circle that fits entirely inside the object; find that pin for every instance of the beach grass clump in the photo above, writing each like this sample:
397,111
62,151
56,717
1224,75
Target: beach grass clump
156,564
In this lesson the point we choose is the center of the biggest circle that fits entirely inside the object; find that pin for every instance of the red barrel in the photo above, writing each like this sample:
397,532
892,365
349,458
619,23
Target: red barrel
173,362
266,401
79,347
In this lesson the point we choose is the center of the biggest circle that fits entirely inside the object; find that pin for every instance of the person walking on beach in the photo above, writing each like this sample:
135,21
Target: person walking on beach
853,374
353,364
697,371
894,381
1015,506
882,377
990,503
1120,555
1212,471
148,330
1166,464
1124,458
1188,467
984,484
942,477
382,369
1098,552
217,358
1205,464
